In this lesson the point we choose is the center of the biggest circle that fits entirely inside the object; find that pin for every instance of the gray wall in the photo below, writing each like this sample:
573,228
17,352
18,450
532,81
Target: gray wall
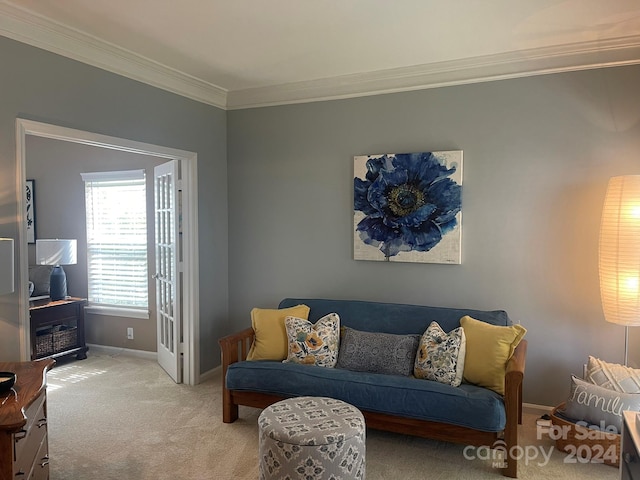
42,86
538,153
60,213
537,156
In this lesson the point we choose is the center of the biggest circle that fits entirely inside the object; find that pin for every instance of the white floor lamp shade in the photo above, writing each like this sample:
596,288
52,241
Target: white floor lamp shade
619,255
6,265
57,252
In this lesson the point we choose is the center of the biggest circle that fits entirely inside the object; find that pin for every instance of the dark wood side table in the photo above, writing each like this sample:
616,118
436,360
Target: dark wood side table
630,462
57,328
24,448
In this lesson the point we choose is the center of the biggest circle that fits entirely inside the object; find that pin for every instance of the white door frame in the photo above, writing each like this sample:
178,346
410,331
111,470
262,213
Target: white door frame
191,290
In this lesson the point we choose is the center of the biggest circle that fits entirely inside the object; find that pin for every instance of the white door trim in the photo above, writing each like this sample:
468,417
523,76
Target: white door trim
191,311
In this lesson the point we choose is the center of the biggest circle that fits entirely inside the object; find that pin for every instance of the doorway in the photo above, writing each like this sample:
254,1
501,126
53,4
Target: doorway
188,162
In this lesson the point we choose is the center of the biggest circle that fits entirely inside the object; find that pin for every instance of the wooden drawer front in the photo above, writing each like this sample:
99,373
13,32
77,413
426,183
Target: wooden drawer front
35,411
27,442
35,414
40,469
61,313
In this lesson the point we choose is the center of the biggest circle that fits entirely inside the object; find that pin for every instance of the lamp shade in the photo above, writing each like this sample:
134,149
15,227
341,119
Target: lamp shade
6,265
619,251
56,252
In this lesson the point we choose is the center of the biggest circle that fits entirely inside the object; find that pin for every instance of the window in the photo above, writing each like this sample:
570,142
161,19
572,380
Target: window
116,208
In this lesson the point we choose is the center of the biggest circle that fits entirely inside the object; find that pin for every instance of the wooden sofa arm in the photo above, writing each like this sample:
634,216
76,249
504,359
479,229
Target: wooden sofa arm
513,404
514,377
233,348
517,362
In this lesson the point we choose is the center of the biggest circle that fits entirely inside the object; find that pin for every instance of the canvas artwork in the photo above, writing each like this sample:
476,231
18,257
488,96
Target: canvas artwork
407,207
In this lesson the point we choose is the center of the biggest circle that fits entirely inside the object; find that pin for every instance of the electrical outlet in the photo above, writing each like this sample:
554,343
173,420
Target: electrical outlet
130,333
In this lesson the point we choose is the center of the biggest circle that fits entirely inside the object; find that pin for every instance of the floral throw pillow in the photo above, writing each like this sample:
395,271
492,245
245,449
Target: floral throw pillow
313,344
441,355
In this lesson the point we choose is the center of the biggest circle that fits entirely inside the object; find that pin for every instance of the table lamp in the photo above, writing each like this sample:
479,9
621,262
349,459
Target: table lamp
619,254
6,265
57,252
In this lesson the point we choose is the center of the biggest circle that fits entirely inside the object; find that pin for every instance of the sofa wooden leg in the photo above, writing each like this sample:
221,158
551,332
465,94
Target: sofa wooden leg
511,446
229,409
511,470
520,404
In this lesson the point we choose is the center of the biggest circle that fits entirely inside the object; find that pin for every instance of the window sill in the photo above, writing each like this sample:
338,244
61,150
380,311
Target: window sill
117,311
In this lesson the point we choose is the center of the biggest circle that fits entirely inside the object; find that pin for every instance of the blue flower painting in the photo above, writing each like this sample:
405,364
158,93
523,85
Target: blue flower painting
407,207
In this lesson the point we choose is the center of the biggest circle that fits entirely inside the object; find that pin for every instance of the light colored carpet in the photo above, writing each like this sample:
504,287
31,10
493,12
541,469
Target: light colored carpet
121,417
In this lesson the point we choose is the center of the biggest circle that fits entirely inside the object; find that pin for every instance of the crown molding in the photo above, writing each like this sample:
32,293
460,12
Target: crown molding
522,63
27,27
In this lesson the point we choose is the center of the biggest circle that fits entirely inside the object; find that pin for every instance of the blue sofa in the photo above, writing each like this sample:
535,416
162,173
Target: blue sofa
467,414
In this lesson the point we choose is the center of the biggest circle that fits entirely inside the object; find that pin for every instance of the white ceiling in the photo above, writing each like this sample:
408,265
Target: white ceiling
242,53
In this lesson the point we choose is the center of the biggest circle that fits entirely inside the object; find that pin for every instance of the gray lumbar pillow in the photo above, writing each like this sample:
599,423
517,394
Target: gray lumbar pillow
377,352
597,405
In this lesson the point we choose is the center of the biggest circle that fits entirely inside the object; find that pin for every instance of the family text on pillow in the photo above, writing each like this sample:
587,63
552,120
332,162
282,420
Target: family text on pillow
598,405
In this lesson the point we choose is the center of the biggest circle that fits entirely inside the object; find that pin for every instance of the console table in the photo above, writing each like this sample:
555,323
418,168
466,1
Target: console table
57,328
24,448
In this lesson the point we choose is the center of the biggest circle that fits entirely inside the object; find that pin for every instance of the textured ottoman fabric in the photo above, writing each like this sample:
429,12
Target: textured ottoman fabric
312,438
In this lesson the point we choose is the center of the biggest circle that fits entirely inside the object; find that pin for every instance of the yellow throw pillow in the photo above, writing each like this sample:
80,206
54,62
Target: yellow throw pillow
270,342
489,348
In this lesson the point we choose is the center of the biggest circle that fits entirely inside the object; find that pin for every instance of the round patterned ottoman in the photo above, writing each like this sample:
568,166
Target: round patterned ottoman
311,438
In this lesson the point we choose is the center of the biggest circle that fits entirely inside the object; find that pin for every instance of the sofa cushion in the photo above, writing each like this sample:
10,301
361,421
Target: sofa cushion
440,355
313,344
613,376
270,342
395,318
489,348
467,406
377,352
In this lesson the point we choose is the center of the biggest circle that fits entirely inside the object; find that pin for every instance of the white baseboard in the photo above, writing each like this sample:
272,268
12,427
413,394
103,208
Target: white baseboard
113,351
108,350
536,409
210,373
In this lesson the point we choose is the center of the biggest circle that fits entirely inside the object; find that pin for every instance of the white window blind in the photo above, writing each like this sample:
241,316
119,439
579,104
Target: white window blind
116,209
